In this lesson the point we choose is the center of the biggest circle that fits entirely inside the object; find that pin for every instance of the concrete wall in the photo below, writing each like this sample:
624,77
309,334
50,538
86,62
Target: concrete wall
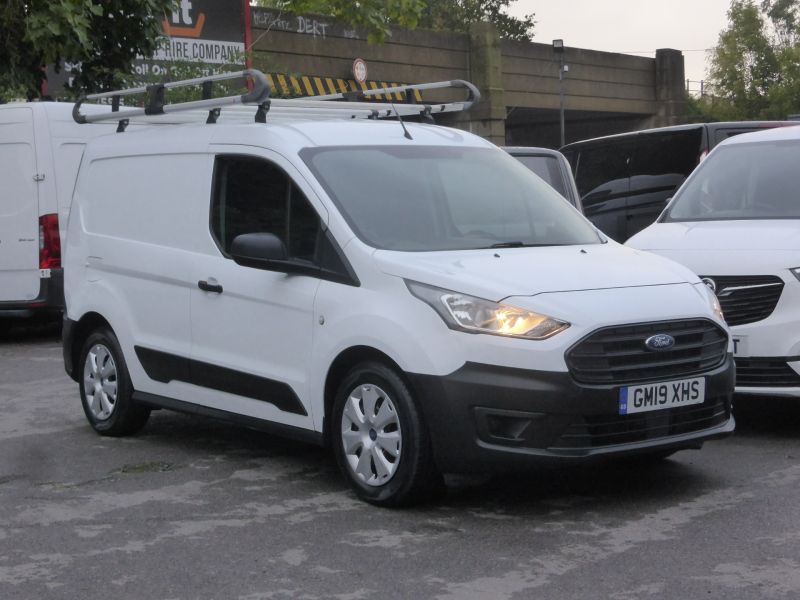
604,92
596,81
312,45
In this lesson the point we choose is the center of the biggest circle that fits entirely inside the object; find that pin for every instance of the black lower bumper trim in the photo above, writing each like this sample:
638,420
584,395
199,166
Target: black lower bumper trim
486,416
49,299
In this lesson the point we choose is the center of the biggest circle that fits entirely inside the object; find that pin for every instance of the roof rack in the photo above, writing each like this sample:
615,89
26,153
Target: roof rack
347,105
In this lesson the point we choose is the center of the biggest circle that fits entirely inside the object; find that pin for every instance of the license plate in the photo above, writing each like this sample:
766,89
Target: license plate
660,396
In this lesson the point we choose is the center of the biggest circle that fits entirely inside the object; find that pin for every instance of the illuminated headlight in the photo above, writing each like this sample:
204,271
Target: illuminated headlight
713,301
796,272
476,315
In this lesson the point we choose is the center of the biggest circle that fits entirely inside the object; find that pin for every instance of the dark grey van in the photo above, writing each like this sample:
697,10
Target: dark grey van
625,180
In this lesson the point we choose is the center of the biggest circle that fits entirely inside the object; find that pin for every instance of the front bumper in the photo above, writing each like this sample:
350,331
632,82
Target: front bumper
49,299
486,417
768,376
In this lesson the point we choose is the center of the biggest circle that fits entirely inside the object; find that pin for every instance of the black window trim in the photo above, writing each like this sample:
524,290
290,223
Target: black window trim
296,266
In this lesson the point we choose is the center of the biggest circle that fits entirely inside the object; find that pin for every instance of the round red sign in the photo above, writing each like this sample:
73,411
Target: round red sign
360,70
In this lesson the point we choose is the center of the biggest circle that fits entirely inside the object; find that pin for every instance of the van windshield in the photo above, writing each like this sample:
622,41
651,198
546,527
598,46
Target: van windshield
742,181
426,198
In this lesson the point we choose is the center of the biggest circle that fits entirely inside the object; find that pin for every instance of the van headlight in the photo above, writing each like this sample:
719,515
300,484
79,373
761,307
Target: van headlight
476,315
713,301
796,272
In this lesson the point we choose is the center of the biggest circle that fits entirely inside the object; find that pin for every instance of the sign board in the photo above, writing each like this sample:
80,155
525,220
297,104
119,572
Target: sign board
209,33
360,70
206,31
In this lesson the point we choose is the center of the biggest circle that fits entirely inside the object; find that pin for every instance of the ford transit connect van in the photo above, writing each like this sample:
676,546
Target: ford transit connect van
40,150
406,293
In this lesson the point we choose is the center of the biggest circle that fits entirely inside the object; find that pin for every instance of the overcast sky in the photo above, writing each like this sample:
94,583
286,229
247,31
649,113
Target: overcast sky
631,26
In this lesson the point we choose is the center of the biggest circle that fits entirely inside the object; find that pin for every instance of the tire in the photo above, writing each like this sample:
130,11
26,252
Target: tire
108,405
5,327
375,412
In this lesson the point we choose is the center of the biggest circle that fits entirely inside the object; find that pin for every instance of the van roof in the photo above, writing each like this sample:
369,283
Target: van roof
287,135
686,127
768,135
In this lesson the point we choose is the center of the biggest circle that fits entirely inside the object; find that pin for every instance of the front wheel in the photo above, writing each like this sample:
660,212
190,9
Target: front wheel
106,388
379,436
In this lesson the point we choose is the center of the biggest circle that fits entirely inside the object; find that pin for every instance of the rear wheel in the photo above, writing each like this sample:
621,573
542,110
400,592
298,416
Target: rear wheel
106,388
379,436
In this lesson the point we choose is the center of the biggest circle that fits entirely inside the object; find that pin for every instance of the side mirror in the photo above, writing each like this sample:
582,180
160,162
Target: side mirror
260,251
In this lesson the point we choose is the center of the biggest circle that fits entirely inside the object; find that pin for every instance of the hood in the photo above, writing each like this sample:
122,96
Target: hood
499,273
754,235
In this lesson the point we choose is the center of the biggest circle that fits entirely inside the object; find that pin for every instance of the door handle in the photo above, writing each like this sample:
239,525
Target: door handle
209,287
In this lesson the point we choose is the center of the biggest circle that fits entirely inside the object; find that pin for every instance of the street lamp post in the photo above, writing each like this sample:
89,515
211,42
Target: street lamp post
558,48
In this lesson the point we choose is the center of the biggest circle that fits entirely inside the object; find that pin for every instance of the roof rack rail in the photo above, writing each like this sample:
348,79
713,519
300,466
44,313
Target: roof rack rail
155,104
346,105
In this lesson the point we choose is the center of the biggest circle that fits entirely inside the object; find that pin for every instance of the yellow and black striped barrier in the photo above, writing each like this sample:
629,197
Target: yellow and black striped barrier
303,85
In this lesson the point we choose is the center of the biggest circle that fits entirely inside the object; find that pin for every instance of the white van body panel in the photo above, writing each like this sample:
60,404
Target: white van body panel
19,205
742,249
40,151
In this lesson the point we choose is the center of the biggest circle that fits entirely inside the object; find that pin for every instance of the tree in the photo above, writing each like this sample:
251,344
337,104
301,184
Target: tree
744,64
376,16
785,17
103,35
754,67
456,15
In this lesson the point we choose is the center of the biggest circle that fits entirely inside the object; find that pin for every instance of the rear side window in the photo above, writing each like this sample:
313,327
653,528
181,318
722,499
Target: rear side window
601,165
674,153
547,168
255,196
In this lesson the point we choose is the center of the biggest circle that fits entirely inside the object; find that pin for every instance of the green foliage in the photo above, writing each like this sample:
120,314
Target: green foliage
103,35
456,15
376,16
754,67
785,17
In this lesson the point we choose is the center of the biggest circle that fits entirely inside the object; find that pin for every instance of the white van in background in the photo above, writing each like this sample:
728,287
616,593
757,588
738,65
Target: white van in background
736,223
40,150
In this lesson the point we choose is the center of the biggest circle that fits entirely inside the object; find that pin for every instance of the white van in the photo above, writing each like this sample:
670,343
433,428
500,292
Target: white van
407,293
40,150
736,222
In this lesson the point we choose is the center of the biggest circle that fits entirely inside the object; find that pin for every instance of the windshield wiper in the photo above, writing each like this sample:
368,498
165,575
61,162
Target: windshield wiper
516,244
508,245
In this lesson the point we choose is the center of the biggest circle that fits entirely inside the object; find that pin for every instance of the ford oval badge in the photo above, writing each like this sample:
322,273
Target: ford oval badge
660,341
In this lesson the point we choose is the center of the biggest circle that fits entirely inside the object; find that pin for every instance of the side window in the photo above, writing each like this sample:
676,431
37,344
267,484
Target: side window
667,154
255,196
547,168
603,170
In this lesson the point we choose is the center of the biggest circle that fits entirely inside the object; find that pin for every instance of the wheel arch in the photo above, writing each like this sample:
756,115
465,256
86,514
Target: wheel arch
341,365
79,332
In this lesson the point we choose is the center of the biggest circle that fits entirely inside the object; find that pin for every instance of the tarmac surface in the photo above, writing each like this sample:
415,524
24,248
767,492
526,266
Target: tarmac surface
191,508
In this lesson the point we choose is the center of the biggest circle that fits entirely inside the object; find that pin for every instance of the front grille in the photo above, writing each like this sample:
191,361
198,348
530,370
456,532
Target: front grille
747,298
608,430
618,355
765,372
